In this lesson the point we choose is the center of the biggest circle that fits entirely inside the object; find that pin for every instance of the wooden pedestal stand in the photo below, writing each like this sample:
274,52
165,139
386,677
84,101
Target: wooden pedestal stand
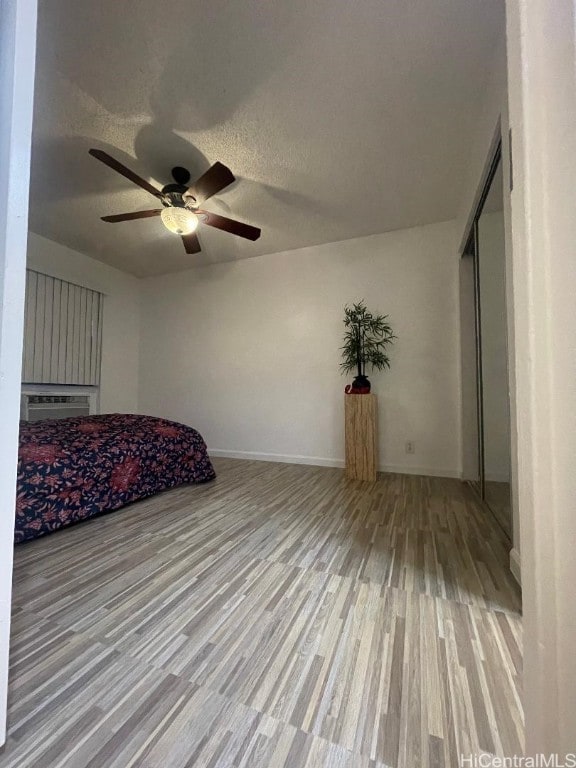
361,435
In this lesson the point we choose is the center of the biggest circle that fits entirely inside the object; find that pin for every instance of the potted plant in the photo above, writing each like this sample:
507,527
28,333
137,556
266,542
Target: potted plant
365,342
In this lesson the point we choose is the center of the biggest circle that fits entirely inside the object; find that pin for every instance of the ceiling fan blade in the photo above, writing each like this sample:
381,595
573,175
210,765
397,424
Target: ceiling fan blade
130,216
216,178
105,158
229,225
191,243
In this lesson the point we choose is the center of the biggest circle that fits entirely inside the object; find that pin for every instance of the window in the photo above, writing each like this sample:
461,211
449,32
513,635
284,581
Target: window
62,332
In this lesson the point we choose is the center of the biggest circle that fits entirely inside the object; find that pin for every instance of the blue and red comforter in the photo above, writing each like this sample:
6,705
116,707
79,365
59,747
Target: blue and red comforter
72,469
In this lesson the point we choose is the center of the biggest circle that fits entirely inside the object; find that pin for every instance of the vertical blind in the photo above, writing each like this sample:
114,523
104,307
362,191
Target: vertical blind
62,332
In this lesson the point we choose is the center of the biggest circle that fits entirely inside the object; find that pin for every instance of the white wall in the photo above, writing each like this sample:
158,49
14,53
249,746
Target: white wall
121,328
542,97
248,352
17,49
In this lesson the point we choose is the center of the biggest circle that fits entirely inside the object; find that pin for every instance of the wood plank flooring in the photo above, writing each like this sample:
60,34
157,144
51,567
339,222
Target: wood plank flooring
280,617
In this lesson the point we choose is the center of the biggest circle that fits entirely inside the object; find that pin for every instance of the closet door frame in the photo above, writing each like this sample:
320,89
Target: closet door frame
471,251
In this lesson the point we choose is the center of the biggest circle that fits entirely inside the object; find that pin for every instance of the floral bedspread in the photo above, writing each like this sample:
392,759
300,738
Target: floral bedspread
72,469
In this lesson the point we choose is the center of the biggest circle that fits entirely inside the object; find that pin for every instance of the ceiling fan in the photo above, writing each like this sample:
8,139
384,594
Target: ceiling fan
181,212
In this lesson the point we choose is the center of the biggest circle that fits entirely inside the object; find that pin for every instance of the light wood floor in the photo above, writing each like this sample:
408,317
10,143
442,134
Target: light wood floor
278,617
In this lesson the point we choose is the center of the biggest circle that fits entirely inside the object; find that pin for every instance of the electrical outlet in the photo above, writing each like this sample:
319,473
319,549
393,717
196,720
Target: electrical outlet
410,446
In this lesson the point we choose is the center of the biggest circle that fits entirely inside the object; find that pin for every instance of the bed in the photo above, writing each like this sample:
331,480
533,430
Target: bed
72,469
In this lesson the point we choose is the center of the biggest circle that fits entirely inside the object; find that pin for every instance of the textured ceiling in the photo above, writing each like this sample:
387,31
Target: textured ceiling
338,118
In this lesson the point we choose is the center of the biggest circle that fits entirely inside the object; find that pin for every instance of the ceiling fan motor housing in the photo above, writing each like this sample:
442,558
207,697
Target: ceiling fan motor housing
181,175
177,195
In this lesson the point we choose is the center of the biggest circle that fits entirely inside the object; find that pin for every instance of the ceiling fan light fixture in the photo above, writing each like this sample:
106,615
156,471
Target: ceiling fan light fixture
181,221
181,213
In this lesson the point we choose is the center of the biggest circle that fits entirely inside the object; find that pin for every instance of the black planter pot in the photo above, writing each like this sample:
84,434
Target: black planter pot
361,382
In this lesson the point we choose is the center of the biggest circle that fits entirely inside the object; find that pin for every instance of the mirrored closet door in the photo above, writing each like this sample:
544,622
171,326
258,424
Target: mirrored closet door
485,388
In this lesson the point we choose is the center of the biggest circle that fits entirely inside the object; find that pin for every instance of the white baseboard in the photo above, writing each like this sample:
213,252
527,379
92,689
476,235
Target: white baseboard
318,461
315,461
515,565
403,469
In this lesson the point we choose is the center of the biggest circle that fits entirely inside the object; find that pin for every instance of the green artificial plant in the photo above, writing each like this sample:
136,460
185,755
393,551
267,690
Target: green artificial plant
365,341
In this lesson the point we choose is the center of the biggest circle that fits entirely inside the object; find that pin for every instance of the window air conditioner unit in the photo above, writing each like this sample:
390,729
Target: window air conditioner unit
36,407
